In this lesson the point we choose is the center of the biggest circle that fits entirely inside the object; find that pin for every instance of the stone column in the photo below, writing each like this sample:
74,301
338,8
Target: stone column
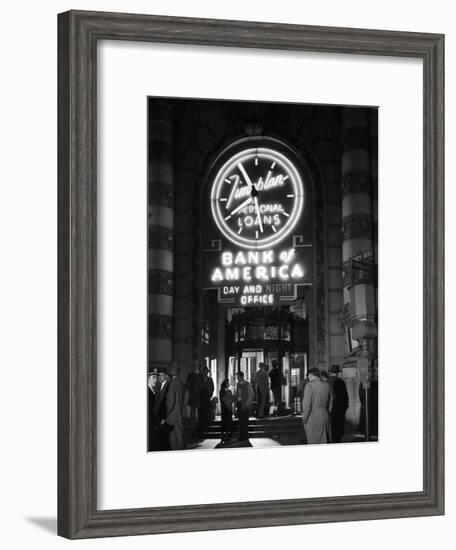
160,234
373,131
357,251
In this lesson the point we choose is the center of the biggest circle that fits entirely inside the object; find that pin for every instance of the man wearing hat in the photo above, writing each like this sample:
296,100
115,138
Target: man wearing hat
315,409
244,397
153,389
160,413
262,389
174,408
277,382
205,397
194,383
339,404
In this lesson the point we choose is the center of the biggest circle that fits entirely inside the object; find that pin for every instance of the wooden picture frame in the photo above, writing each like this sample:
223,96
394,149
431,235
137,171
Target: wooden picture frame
78,33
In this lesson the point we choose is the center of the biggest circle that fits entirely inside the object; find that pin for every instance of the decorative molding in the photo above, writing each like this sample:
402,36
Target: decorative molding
160,281
160,237
359,272
344,315
320,262
364,327
160,194
356,181
160,326
253,128
357,226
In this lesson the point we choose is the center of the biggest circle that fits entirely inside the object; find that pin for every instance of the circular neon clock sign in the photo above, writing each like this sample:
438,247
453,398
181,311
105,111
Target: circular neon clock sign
257,197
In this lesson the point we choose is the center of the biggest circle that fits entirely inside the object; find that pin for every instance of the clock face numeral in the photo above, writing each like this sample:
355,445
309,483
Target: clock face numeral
257,197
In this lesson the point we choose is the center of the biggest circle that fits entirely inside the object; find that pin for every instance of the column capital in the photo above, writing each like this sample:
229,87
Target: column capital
356,181
357,226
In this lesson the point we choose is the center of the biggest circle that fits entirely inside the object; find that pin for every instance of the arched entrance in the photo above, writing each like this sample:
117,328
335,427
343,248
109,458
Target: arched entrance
257,301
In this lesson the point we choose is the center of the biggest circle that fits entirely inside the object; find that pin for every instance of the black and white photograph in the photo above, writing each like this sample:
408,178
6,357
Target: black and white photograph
262,274
227,232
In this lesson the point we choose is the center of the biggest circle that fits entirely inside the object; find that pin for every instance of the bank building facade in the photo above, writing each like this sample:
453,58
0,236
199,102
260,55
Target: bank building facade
262,244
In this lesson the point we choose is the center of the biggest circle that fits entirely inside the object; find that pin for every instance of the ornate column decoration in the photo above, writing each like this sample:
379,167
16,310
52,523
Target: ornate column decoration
359,312
373,130
357,226
160,234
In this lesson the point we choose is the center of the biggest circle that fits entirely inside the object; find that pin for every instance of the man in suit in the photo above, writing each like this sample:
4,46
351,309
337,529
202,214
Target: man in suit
244,397
339,404
205,396
276,377
262,389
163,429
174,408
194,383
153,388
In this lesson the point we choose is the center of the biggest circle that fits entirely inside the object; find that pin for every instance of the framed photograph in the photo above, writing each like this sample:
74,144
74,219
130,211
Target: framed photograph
250,274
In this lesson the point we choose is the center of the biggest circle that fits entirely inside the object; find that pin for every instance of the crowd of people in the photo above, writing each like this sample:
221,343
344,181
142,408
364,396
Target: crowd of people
240,403
324,404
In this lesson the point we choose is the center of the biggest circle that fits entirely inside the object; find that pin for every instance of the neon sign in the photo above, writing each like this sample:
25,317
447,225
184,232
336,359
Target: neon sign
255,265
257,198
259,245
254,295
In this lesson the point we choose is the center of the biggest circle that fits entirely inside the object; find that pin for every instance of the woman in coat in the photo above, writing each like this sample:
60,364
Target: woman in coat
315,409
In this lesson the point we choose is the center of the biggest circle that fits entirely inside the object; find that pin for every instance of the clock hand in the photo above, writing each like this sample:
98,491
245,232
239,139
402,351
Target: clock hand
246,176
258,213
240,207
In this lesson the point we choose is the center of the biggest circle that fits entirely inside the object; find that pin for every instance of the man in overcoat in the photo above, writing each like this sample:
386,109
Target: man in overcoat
174,408
153,389
163,429
205,396
339,404
315,409
276,377
244,397
194,383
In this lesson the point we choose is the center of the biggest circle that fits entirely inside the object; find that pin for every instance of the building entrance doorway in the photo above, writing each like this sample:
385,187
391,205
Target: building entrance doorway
249,362
271,336
239,339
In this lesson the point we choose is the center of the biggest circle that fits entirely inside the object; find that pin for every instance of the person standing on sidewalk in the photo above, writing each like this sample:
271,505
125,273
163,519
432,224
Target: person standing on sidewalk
339,404
277,381
315,409
226,407
160,411
205,397
153,389
262,390
244,397
194,383
174,408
